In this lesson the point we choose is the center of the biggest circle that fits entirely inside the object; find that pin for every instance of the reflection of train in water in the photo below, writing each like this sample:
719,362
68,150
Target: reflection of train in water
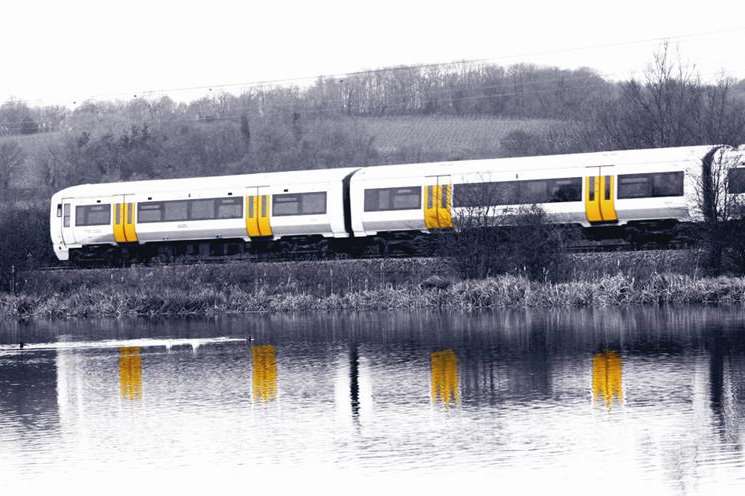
445,383
607,377
355,209
130,373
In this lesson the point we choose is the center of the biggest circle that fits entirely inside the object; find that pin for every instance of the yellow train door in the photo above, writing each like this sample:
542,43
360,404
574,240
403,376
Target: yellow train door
258,212
600,195
438,202
124,219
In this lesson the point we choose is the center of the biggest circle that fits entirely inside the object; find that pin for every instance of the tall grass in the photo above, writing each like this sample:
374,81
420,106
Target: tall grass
345,285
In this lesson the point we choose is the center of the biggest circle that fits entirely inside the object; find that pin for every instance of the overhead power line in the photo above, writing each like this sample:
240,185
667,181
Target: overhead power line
398,68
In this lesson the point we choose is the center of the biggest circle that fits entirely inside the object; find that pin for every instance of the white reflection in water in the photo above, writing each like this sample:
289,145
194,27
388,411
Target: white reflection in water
168,344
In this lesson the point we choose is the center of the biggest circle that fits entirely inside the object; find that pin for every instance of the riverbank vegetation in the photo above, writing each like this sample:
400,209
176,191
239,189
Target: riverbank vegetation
650,277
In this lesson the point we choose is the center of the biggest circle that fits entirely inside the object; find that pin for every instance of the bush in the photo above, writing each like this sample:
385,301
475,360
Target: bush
519,242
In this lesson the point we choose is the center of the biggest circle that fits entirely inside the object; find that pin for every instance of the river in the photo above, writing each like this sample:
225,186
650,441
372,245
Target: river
611,400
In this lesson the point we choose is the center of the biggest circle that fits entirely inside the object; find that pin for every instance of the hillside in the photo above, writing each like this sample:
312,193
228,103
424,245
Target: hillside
394,139
454,137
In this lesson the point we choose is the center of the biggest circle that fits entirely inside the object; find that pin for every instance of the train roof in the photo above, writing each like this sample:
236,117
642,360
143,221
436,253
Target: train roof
652,156
217,182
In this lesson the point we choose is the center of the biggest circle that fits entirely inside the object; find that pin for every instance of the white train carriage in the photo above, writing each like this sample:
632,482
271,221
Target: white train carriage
607,188
248,207
590,189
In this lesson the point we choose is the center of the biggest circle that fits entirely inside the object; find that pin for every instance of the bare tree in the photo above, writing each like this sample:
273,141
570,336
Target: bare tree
671,106
490,238
721,204
722,119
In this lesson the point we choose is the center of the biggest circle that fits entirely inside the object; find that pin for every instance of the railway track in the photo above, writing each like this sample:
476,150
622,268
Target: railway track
579,248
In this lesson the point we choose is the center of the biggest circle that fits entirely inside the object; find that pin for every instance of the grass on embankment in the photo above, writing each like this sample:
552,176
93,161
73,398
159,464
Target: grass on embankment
601,280
492,293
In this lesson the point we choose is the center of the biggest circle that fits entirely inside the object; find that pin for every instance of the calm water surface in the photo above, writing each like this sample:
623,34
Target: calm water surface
611,401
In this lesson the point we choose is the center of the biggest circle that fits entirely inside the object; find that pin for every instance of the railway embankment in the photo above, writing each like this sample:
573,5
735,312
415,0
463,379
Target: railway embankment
600,279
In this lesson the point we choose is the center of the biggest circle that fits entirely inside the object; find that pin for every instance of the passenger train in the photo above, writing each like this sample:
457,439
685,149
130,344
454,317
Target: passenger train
352,209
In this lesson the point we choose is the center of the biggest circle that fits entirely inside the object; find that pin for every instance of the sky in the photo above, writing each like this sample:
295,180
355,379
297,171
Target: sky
54,52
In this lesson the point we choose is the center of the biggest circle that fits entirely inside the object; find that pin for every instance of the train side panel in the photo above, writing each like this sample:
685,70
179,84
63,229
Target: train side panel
397,206
178,222
570,211
300,209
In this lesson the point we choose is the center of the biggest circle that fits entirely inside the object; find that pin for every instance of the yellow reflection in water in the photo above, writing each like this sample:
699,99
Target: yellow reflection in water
264,380
130,373
445,387
607,376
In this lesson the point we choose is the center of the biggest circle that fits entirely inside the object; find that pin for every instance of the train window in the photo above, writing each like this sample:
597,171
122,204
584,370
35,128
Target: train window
201,209
406,198
117,215
505,193
650,185
485,194
736,181
533,192
175,211
93,215
518,192
607,187
299,204
150,212
229,208
66,215
591,189
180,210
59,210
381,199
565,190
286,205
634,186
313,203
668,184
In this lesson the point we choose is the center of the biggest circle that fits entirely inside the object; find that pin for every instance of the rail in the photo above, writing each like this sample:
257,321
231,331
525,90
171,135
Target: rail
590,247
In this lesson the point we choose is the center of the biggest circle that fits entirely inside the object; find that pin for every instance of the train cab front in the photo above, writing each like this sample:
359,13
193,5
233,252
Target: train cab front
57,218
